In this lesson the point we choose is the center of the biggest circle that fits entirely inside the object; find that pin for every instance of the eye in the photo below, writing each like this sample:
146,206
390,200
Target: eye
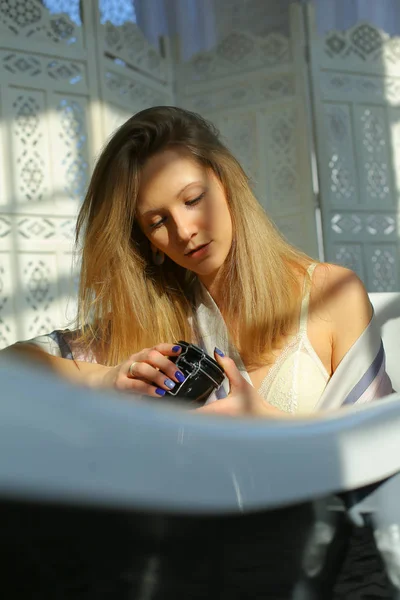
157,224
195,200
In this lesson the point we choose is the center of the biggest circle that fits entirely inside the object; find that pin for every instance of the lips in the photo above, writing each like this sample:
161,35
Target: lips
196,249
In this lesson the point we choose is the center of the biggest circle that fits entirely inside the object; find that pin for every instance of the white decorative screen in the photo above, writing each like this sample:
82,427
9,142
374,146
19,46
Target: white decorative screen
357,100
134,74
45,162
251,88
70,73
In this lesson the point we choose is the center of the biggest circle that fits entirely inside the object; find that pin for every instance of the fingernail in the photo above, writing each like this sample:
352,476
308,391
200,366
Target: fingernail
176,349
170,384
180,377
219,352
160,392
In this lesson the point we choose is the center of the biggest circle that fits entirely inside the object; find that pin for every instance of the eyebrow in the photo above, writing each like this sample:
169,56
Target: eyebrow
157,210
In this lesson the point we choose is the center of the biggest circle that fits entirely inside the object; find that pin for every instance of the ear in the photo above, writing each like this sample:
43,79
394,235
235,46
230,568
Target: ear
158,256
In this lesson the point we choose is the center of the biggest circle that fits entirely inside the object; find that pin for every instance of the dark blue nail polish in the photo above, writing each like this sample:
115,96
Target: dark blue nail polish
219,352
160,392
180,377
176,349
170,384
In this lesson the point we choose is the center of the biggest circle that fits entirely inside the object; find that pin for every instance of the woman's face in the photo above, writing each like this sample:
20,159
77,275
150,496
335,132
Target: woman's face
183,211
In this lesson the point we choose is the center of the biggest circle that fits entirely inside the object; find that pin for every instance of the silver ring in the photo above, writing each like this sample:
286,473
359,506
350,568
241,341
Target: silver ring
130,370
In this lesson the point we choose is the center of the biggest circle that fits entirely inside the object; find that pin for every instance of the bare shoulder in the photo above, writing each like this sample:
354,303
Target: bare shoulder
340,290
340,296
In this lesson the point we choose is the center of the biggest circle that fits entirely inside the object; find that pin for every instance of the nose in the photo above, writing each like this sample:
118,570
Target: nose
185,227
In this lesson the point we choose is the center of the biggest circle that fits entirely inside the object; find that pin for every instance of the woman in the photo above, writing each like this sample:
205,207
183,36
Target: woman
175,246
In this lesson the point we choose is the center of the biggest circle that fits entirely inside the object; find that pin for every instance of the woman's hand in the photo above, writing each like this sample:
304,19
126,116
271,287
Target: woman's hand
242,399
148,372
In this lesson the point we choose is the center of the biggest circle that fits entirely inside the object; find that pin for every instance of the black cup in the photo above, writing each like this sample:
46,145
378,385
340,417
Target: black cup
203,374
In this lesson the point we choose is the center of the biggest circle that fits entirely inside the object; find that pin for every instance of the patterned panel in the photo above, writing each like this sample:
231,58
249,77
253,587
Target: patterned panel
364,42
362,225
341,165
350,256
250,91
7,324
394,132
36,228
30,19
72,135
69,7
29,66
240,133
236,53
383,272
5,227
133,93
280,150
38,277
374,164
29,144
128,44
373,88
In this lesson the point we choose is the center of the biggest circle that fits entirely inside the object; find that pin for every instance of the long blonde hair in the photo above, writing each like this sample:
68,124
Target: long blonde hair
126,303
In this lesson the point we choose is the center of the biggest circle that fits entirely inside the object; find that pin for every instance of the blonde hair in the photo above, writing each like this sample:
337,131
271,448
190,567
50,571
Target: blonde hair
126,303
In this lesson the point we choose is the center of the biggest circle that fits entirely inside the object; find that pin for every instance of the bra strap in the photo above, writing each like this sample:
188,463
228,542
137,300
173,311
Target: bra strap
306,299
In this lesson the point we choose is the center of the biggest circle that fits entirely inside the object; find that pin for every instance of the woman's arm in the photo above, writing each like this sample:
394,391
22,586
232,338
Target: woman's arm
154,374
84,373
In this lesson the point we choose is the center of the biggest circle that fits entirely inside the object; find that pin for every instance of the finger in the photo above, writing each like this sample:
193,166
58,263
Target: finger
157,360
140,387
169,349
236,380
147,373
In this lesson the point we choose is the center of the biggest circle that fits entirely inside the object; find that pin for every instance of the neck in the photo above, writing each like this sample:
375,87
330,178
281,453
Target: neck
214,286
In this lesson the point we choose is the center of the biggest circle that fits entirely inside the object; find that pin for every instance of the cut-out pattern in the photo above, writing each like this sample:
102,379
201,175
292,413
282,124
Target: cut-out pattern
341,158
5,310
375,160
38,277
282,161
31,19
236,52
127,43
251,91
362,87
350,256
73,135
365,42
38,228
350,224
29,137
39,297
5,226
68,7
17,64
384,271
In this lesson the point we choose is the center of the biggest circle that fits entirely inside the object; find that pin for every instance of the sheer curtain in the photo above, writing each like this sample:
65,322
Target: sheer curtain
192,20
200,24
342,14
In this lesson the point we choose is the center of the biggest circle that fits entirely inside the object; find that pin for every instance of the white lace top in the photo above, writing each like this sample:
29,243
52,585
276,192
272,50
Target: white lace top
297,379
